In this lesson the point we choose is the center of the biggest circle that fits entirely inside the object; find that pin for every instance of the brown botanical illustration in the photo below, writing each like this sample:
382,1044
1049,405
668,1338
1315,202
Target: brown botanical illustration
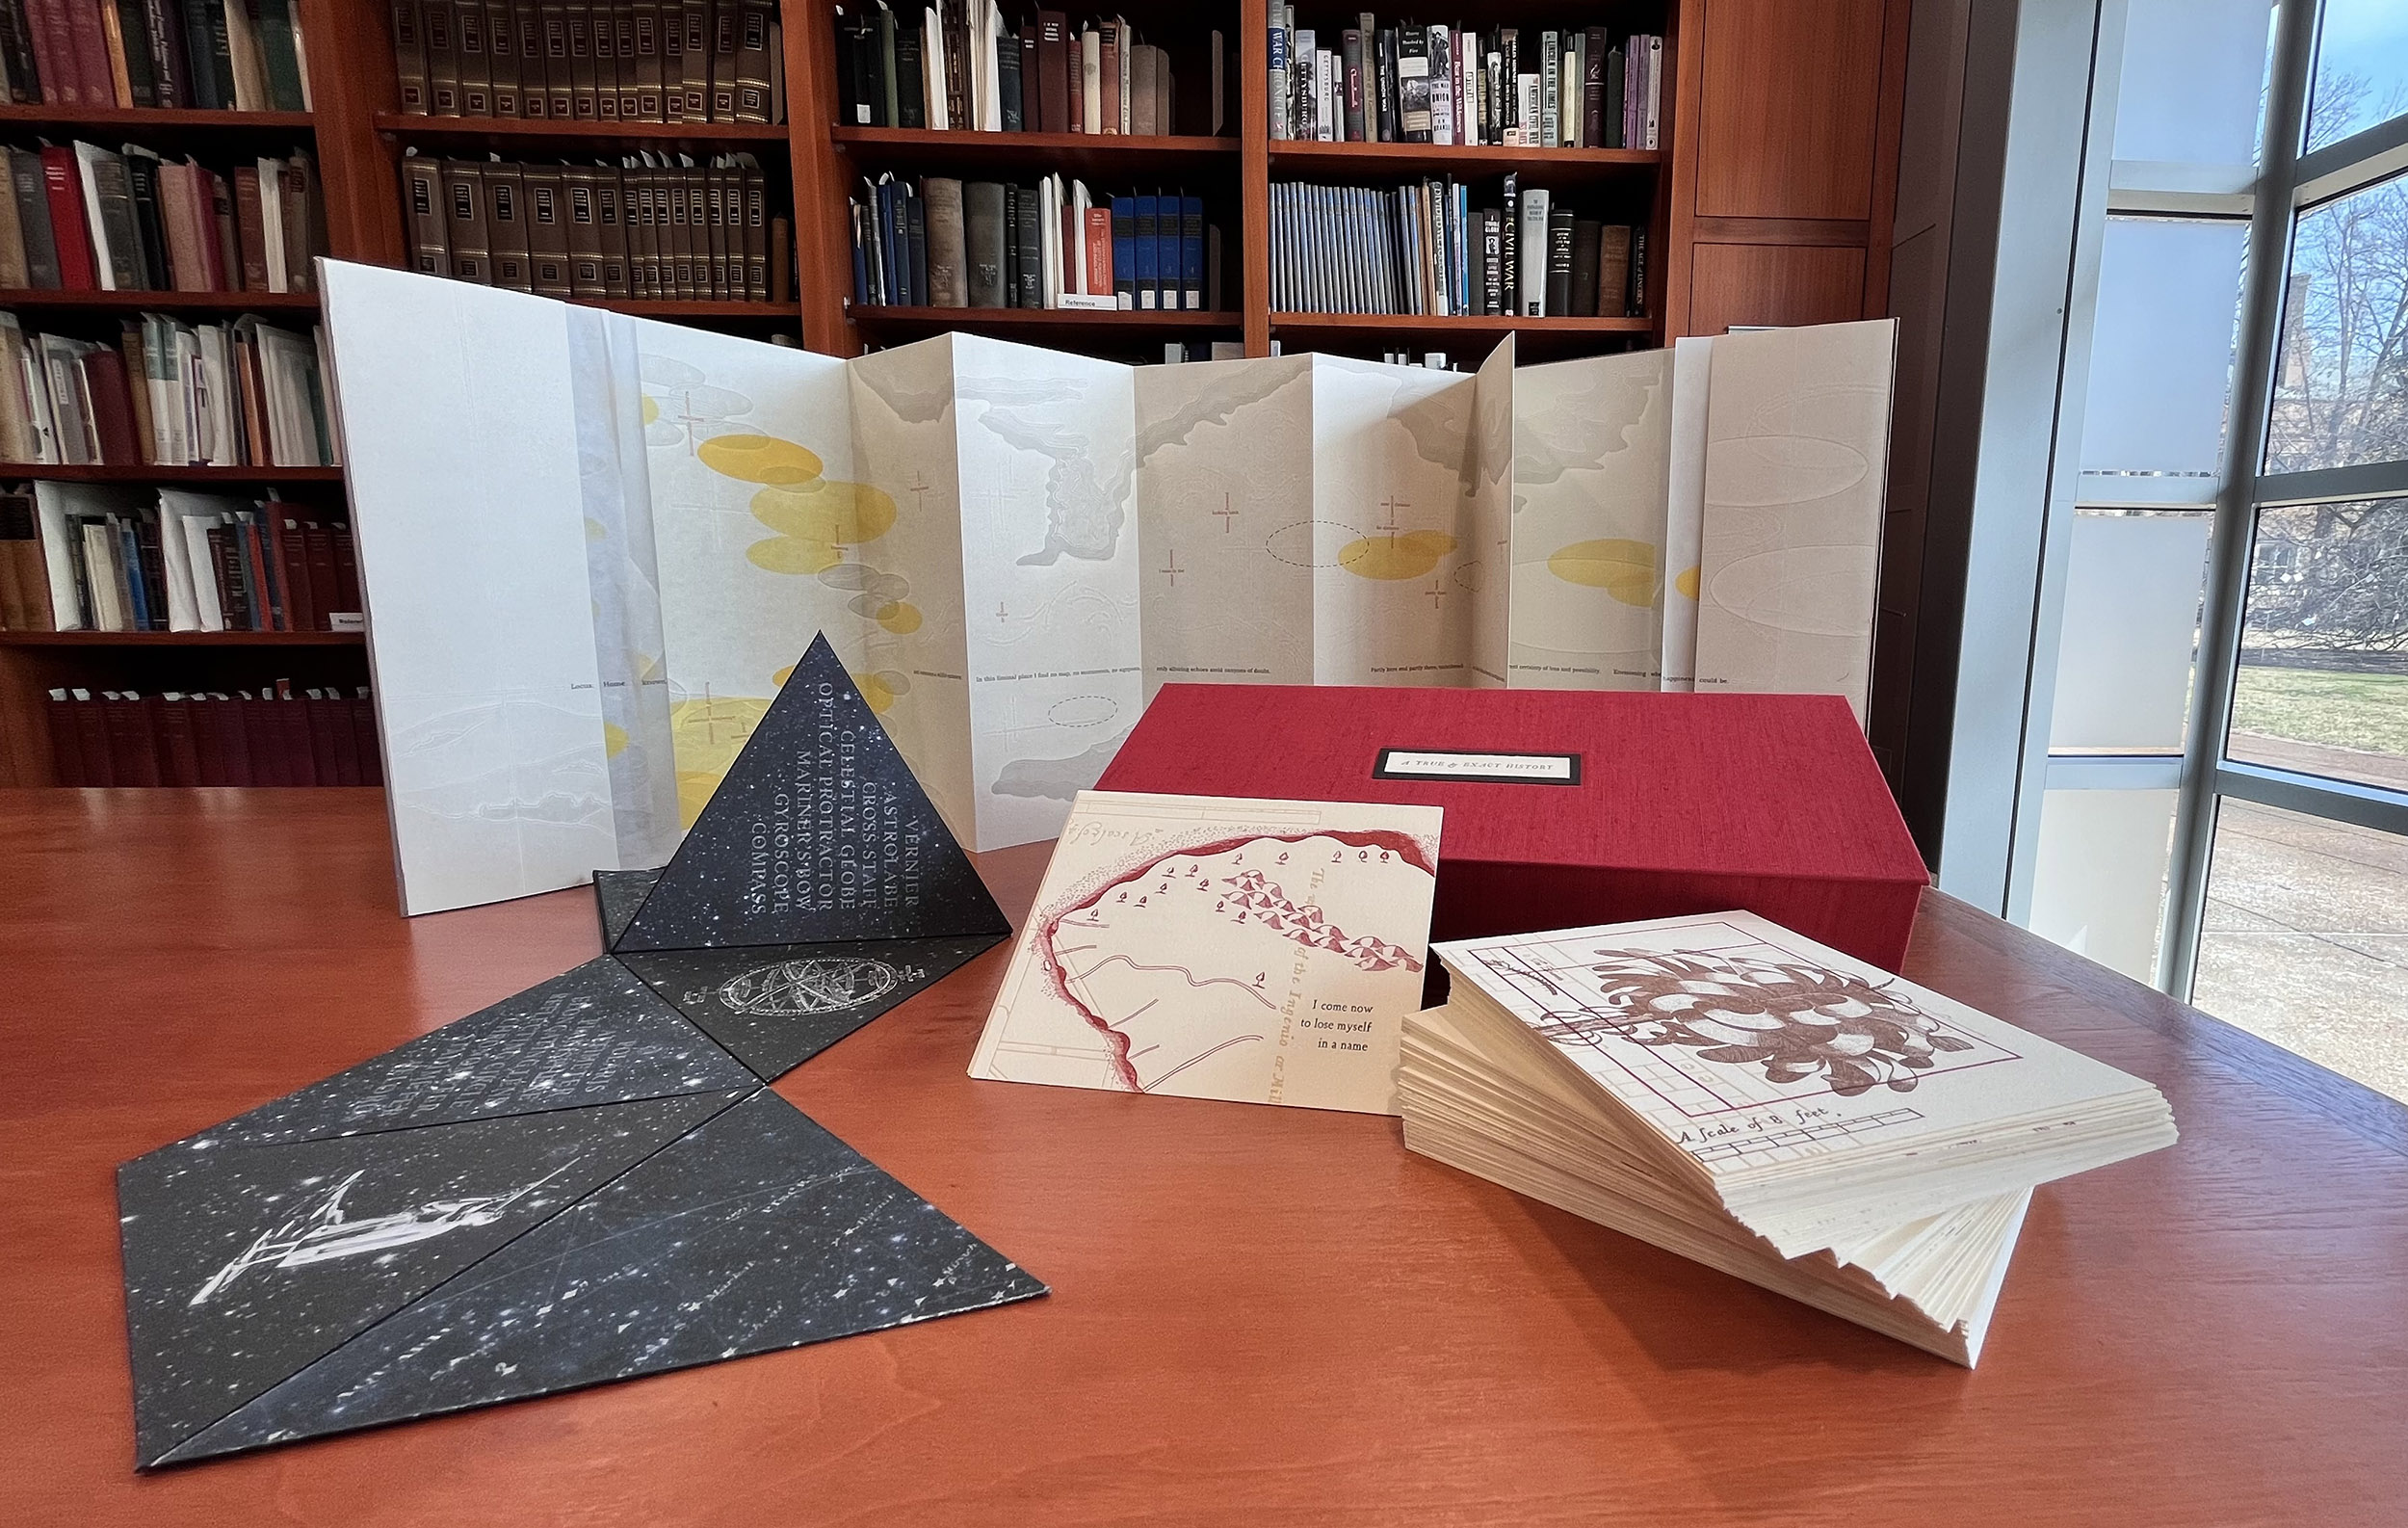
1798,1022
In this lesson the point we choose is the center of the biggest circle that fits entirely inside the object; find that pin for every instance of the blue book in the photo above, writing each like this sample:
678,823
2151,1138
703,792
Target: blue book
1192,251
1148,254
889,246
861,261
1125,250
136,598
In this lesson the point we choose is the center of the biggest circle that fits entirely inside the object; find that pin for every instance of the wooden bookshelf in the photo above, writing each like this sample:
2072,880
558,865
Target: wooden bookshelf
46,301
1769,203
182,638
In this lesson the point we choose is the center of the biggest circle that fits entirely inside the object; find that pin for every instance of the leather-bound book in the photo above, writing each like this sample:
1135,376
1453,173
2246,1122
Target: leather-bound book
435,27
505,227
982,242
422,202
463,196
501,49
476,67
1052,67
948,254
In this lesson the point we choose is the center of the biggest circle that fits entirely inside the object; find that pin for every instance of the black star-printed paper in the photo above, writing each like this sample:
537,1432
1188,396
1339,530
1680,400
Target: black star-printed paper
587,1180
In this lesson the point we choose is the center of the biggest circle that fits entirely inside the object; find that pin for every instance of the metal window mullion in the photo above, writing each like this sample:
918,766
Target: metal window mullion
2359,805
2227,579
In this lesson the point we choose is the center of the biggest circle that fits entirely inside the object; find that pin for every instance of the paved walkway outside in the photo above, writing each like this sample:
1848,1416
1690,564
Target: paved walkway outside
2306,937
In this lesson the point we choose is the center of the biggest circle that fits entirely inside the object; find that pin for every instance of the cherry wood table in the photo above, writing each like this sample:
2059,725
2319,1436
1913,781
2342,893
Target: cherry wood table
1259,1315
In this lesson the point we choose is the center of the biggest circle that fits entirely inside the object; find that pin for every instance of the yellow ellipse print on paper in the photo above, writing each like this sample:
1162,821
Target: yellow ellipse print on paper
1689,582
705,736
759,459
875,691
813,520
901,616
651,409
613,740
1625,569
1407,554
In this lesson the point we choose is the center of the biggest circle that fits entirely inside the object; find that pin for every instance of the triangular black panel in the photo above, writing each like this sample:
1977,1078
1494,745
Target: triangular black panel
819,832
617,895
758,1231
776,1005
593,1034
244,1263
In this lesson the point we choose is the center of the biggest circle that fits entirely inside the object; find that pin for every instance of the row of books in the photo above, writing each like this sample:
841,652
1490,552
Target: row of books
944,243
274,735
959,66
88,557
87,218
210,54
653,225
168,393
1423,249
1410,84
632,60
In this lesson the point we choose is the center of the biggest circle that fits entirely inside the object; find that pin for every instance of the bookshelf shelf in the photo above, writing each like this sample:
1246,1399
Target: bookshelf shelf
1078,153
182,638
542,135
167,477
149,118
700,307
1050,325
1458,323
49,300
1550,166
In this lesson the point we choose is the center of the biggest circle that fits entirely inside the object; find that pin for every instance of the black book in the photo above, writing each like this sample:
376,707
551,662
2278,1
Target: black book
1559,262
1013,195
136,33
1509,99
1350,61
1508,244
1612,124
916,235
16,49
910,82
1491,261
1586,233
142,181
863,69
33,217
1030,261
1638,272
170,63
982,241
1385,67
204,83
1007,85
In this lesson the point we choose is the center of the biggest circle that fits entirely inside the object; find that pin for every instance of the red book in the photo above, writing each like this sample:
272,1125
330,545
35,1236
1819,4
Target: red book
325,585
112,409
133,748
54,53
346,572
1055,72
1099,251
292,548
208,738
67,218
292,720
231,716
92,53
263,740
260,564
179,749
91,737
1569,807
327,740
66,744
364,736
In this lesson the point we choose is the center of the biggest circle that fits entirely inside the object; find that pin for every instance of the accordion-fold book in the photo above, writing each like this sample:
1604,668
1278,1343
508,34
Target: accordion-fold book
592,544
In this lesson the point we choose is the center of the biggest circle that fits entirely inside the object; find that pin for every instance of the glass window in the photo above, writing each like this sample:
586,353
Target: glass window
2323,681
2306,939
2193,81
2361,71
2341,383
2162,359
2098,885
2130,630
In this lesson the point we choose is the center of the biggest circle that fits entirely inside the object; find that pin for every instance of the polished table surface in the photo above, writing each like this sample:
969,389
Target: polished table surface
1259,1315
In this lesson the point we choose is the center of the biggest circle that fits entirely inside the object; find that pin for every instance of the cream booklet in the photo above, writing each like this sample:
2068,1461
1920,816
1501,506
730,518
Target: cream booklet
1256,951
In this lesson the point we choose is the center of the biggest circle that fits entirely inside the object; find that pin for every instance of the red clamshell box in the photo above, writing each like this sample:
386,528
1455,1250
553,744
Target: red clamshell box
1571,807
